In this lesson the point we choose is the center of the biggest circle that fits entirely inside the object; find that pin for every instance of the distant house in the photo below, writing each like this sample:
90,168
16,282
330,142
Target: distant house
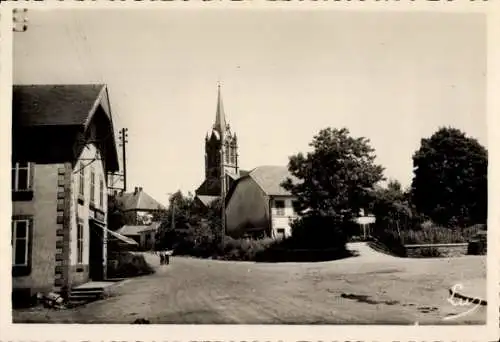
147,238
365,221
132,232
63,145
138,207
144,235
258,206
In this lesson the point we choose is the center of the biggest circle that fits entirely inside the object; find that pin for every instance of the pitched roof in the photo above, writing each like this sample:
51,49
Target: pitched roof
269,178
58,118
138,200
154,226
232,175
129,230
54,104
206,199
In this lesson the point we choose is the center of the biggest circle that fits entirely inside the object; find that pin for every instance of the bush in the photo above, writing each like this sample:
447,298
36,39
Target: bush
427,233
243,249
129,265
478,244
428,252
390,241
318,232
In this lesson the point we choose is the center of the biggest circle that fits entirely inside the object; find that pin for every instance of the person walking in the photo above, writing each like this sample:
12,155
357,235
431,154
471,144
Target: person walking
162,258
167,258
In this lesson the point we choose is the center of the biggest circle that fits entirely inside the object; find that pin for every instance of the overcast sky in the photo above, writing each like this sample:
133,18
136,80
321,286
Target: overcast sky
393,78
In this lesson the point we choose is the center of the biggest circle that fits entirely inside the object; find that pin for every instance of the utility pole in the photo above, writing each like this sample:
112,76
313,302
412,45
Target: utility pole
123,143
222,188
172,224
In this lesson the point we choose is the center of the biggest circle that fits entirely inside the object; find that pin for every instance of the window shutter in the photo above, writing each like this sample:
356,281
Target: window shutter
12,234
32,176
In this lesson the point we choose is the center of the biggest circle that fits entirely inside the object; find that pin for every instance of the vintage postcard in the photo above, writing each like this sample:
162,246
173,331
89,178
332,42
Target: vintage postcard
250,170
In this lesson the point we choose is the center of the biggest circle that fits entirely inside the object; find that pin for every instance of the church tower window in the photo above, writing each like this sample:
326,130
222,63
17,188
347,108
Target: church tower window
233,154
226,153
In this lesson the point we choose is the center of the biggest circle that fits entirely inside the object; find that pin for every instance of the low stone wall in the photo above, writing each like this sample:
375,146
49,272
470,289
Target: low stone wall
444,250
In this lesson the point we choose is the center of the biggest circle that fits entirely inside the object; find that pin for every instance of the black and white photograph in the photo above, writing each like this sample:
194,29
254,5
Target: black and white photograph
175,166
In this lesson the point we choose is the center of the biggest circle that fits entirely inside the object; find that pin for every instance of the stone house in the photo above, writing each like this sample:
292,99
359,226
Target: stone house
258,206
138,207
63,146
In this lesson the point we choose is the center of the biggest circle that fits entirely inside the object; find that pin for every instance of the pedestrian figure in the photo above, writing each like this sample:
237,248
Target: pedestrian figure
167,258
162,259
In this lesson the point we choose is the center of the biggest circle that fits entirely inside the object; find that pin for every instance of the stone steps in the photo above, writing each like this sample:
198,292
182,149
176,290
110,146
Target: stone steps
85,295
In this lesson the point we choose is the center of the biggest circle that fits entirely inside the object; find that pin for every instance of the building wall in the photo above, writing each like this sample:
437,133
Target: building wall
138,217
80,210
42,208
145,242
282,220
248,208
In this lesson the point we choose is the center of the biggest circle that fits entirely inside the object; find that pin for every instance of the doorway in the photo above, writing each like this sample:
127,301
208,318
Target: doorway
96,251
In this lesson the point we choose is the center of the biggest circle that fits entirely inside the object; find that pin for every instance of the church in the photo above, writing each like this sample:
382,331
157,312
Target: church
255,203
221,158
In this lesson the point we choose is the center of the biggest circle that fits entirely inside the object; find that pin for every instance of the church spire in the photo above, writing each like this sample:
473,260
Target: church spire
220,117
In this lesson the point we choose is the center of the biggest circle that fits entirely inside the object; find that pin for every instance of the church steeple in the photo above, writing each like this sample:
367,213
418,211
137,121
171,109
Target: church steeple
220,116
219,143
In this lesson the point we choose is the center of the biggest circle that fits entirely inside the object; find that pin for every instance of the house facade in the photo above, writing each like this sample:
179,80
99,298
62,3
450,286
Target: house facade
282,210
258,206
138,207
59,186
147,239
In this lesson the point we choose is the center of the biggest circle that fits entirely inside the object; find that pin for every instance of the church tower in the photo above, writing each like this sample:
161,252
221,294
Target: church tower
221,154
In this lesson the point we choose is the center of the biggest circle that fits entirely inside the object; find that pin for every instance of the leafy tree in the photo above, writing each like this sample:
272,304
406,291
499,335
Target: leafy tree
193,228
116,218
450,178
331,183
336,178
176,219
392,208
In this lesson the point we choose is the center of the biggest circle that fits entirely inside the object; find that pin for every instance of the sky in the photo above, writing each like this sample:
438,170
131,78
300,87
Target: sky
392,77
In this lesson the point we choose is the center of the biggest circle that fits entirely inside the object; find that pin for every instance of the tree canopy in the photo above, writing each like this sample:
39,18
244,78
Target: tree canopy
392,207
336,178
450,178
186,224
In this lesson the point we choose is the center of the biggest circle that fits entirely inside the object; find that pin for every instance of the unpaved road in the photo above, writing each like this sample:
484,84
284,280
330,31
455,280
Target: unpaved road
368,289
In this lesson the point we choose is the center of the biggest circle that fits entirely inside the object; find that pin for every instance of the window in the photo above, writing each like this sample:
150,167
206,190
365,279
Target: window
79,243
226,156
101,193
21,176
81,173
20,242
280,207
92,185
233,155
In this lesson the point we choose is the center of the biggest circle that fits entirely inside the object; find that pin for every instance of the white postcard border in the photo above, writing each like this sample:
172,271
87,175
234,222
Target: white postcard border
75,332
